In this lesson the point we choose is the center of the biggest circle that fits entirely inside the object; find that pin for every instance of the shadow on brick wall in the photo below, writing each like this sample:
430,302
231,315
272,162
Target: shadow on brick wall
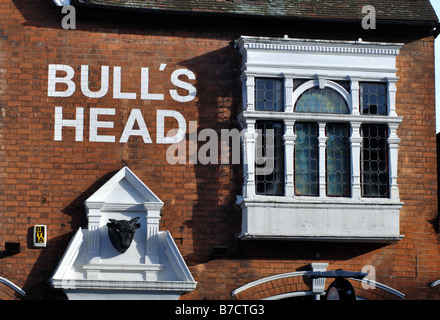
37,285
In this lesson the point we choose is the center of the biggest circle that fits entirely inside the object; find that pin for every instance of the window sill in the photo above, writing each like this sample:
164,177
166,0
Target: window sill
323,219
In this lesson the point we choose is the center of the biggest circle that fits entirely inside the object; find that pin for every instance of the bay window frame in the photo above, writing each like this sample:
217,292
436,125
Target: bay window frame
319,64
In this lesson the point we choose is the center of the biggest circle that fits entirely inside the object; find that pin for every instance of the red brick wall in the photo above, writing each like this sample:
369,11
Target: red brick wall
45,181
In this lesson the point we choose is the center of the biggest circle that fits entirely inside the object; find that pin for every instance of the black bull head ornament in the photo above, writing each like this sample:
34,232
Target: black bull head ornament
121,233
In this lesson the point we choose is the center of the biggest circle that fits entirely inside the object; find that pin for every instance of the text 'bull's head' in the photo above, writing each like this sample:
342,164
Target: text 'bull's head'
121,233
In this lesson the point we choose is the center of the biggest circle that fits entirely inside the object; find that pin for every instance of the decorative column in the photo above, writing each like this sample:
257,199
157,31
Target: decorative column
354,86
94,219
393,142
289,146
249,139
318,285
288,94
392,97
356,143
322,140
152,218
248,92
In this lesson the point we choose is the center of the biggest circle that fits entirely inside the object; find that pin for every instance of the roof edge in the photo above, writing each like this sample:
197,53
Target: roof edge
188,13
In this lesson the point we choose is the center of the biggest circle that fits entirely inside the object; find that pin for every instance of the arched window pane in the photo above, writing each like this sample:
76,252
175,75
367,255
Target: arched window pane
324,100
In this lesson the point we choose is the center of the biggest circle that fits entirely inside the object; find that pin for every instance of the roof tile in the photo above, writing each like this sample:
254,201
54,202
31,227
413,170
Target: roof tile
403,10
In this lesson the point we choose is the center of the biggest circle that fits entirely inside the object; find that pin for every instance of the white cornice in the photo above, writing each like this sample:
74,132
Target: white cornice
319,46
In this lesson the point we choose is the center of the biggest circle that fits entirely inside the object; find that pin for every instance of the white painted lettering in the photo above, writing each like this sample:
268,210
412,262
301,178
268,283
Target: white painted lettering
95,124
67,80
77,123
192,91
180,134
135,116
145,95
85,82
117,83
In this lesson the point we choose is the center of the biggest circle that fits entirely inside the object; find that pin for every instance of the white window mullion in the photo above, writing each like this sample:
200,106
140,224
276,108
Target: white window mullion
289,145
288,94
322,139
356,143
393,142
248,92
354,85
392,97
249,143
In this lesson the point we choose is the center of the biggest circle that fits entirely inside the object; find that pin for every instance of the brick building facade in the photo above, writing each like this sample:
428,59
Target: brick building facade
78,105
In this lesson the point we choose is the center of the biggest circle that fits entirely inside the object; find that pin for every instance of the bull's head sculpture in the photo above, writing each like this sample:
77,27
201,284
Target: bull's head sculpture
121,233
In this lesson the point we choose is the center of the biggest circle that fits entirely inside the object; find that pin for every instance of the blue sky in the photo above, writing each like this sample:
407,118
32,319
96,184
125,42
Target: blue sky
436,5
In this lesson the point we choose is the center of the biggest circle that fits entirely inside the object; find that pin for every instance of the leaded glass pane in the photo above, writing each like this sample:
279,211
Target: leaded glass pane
338,160
374,161
269,94
324,100
306,159
373,98
269,166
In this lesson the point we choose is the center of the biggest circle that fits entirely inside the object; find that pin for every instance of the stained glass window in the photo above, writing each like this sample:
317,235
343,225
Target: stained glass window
306,159
324,100
374,161
269,94
338,160
373,98
269,158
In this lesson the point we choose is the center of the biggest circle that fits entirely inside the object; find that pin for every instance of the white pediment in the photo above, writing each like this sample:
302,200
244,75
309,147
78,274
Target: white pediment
151,268
123,188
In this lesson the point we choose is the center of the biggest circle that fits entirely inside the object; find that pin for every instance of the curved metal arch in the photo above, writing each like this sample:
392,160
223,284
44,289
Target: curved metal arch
12,285
435,283
322,84
307,273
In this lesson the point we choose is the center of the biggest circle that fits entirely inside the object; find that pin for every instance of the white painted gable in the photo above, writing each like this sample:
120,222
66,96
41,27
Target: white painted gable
152,267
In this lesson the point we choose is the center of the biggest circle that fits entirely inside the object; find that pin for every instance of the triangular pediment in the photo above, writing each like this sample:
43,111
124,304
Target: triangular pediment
123,188
150,268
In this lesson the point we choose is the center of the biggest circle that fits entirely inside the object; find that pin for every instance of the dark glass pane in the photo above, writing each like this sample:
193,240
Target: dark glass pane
373,98
322,101
269,164
269,94
306,159
374,161
338,160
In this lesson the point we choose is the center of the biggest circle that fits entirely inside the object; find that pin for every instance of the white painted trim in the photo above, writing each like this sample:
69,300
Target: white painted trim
69,256
176,258
319,46
126,173
152,268
316,83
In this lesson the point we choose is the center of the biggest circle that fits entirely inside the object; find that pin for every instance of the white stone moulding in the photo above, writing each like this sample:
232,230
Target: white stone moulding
322,63
152,268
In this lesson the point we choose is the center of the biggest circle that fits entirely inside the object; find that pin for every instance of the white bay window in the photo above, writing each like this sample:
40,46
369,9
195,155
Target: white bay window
328,109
